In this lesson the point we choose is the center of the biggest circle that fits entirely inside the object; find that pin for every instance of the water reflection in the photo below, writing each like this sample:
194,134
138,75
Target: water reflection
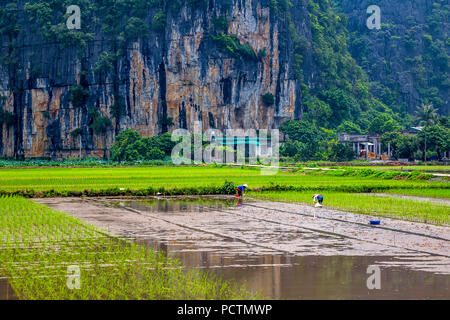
312,277
283,276
177,204
6,292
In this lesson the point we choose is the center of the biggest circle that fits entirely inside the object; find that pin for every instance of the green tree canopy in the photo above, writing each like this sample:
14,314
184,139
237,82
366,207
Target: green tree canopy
349,127
402,147
427,114
129,146
383,123
437,138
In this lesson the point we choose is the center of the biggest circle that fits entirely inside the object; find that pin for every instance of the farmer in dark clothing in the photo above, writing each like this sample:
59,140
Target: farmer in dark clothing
241,190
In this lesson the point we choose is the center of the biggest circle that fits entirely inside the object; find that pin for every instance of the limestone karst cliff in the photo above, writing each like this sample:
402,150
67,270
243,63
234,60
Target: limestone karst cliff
157,65
178,74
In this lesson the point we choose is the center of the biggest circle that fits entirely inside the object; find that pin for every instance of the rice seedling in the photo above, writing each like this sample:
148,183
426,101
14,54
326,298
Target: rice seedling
38,245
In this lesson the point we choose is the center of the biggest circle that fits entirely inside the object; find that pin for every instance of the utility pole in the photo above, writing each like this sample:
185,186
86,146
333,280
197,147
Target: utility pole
389,151
425,149
367,151
79,142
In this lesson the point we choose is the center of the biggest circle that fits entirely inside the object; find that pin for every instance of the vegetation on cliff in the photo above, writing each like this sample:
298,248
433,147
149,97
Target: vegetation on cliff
407,60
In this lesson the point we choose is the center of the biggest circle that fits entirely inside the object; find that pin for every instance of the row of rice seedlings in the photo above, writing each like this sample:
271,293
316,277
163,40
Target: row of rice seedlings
81,179
39,244
405,209
227,187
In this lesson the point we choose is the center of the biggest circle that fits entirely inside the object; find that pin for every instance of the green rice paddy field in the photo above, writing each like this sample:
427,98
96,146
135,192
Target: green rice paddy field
343,188
38,245
135,178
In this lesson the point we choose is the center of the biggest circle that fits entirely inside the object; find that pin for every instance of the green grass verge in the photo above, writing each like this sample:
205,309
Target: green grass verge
37,244
371,205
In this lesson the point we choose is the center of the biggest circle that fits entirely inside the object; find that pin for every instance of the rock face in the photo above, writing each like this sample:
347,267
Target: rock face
164,79
179,75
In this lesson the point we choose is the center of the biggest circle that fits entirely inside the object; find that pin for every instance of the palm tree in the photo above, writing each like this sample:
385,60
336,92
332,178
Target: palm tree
427,116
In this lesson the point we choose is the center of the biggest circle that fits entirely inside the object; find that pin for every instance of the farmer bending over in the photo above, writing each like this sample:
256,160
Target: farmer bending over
241,190
318,199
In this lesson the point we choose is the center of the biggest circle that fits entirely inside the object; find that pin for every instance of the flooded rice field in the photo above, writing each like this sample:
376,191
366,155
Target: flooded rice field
284,251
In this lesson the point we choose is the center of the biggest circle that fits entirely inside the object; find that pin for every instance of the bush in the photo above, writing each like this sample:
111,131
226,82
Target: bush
78,96
77,132
105,62
230,44
7,118
155,154
383,123
220,24
136,28
159,21
262,53
349,127
228,188
99,123
268,99
129,146
196,4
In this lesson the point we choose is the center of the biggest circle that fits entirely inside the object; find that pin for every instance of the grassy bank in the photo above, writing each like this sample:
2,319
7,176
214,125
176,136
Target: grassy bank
371,205
38,245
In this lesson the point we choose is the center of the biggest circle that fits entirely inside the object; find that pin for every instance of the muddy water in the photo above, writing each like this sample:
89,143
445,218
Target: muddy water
314,277
279,254
176,204
281,276
6,292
